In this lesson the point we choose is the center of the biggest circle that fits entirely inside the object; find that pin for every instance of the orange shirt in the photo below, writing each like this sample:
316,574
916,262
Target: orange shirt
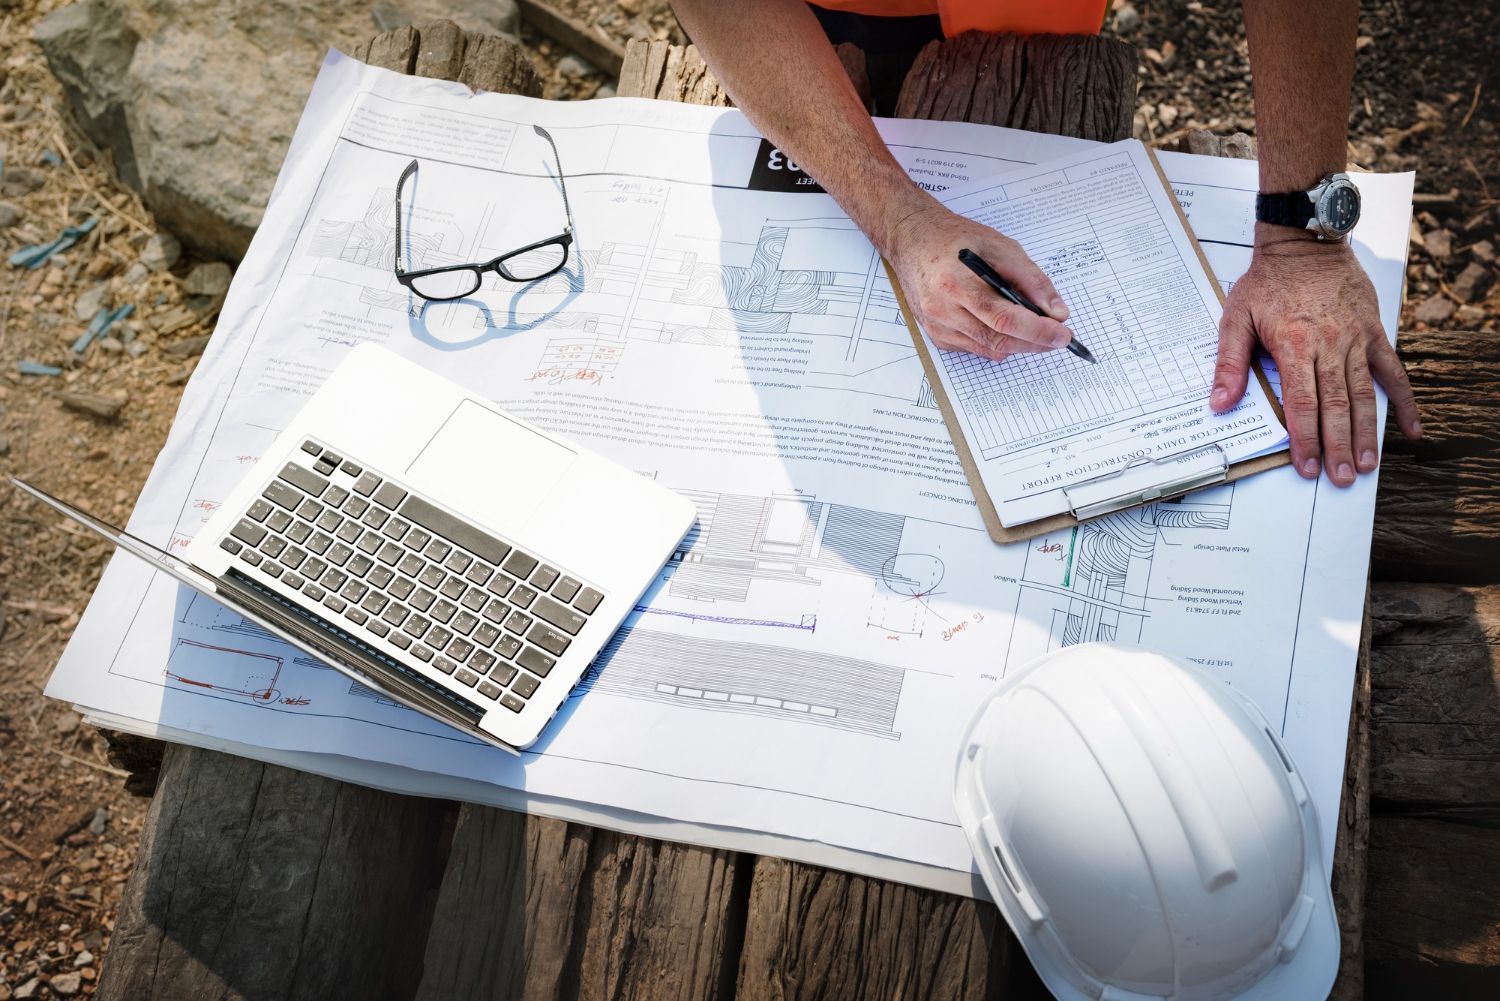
1026,17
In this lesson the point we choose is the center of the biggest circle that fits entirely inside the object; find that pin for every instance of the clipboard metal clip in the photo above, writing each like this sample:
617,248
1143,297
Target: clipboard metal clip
1146,480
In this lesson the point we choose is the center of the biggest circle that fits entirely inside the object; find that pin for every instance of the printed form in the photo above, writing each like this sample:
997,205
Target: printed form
724,328
1051,433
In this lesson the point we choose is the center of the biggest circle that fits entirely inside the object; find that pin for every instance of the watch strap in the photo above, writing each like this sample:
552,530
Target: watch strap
1291,208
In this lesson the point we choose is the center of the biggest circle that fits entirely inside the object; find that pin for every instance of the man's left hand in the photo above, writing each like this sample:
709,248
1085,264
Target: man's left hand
1313,307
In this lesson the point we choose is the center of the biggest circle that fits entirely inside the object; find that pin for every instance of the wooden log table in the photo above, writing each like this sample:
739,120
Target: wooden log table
259,882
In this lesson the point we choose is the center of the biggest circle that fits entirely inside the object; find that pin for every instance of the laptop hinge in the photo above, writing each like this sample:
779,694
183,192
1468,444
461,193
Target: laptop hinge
334,642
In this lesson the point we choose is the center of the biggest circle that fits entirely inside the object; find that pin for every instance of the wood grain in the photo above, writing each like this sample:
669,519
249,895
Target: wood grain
255,881
1068,85
570,911
443,50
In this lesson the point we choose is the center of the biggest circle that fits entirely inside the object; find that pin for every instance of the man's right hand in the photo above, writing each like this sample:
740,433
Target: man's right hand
953,305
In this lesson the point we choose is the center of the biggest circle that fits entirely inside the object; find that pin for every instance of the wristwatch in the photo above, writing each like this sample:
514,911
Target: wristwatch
1330,208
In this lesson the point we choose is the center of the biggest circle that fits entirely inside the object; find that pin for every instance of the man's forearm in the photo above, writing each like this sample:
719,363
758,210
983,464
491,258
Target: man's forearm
774,60
1302,62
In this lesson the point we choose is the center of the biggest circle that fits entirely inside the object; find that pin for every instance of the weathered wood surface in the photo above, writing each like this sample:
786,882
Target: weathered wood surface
442,50
1352,833
1065,84
539,909
256,882
667,72
1438,514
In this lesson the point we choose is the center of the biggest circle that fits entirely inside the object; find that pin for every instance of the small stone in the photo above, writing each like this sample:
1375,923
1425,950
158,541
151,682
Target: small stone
188,347
135,274
607,90
20,181
135,349
209,279
110,345
1433,311
1471,282
96,828
1483,251
1470,316
1166,114
9,215
573,67
90,302
161,252
106,408
65,984
67,723
4,444
28,989
1438,243
84,958
1127,19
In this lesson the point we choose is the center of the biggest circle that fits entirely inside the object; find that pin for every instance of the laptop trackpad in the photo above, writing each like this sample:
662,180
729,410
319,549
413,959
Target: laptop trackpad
488,467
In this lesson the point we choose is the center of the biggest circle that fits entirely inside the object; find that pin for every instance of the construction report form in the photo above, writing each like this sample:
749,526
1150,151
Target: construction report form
1050,433
796,680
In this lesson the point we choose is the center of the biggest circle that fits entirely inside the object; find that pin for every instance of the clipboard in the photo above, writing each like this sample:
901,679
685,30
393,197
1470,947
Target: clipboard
1119,490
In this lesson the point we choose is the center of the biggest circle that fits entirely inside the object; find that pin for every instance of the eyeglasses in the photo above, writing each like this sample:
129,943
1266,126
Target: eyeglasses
530,263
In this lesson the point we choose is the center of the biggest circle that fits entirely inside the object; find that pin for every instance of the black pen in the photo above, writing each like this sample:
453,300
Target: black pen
992,278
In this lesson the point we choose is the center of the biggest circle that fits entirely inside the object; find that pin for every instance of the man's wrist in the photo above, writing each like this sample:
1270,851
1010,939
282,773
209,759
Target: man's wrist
1293,238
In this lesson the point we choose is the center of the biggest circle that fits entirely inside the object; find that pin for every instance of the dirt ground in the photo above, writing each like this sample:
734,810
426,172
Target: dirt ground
68,831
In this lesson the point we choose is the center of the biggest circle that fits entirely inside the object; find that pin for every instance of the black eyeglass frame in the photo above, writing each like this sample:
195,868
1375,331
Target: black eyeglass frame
495,264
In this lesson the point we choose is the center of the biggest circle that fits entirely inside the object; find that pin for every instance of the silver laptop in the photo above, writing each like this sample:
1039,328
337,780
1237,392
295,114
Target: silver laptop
424,542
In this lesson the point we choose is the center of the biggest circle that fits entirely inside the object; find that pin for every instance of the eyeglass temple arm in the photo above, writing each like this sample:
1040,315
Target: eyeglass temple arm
411,168
561,181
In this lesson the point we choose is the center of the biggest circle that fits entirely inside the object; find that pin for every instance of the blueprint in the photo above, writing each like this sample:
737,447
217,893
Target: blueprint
796,680
1042,426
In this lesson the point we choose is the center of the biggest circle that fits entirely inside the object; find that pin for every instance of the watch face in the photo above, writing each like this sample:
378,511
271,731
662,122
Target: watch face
1338,209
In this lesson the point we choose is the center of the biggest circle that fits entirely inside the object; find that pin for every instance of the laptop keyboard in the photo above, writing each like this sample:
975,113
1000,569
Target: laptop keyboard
489,616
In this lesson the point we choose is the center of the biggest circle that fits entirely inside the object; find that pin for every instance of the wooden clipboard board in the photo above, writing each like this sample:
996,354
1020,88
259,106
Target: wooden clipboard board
1030,530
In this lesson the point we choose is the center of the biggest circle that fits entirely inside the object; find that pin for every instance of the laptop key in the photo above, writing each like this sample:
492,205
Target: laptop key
416,626
313,592
503,672
350,531
304,479
379,628
313,568
258,510
438,551
272,546
453,588
309,510
330,520
400,588
489,689
299,532
559,615
587,601
319,543
512,703
522,596
501,585
479,573
423,599
459,561
464,676
535,661
251,557
335,496
293,581
230,546
279,521
474,600
389,553
312,448
380,577
520,564
549,639
395,528
422,652
438,637
248,531
482,660
455,530
354,591
411,565
324,467
565,588
374,602
360,564
518,623
338,554
356,506
356,616
370,542
508,647
366,484
543,577
463,623
496,611
486,634
273,569
401,640
525,685
432,576
334,603
281,494
389,495
292,558
334,580
445,665
443,611
416,540
375,517
459,650
395,614
350,468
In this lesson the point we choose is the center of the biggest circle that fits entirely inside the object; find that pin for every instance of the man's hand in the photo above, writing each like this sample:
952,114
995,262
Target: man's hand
958,310
1313,307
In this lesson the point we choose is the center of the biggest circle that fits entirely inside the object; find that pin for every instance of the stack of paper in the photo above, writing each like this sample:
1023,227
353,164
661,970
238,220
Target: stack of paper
796,682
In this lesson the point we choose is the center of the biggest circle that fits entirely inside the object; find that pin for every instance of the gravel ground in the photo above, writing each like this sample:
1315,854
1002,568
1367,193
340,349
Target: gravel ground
68,831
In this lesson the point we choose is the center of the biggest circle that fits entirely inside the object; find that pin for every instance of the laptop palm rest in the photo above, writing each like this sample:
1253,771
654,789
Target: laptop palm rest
488,467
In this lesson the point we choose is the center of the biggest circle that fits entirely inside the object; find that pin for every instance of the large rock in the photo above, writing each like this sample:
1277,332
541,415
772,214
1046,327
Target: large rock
197,100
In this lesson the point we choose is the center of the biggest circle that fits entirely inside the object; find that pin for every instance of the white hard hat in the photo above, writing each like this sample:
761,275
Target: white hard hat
1145,834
